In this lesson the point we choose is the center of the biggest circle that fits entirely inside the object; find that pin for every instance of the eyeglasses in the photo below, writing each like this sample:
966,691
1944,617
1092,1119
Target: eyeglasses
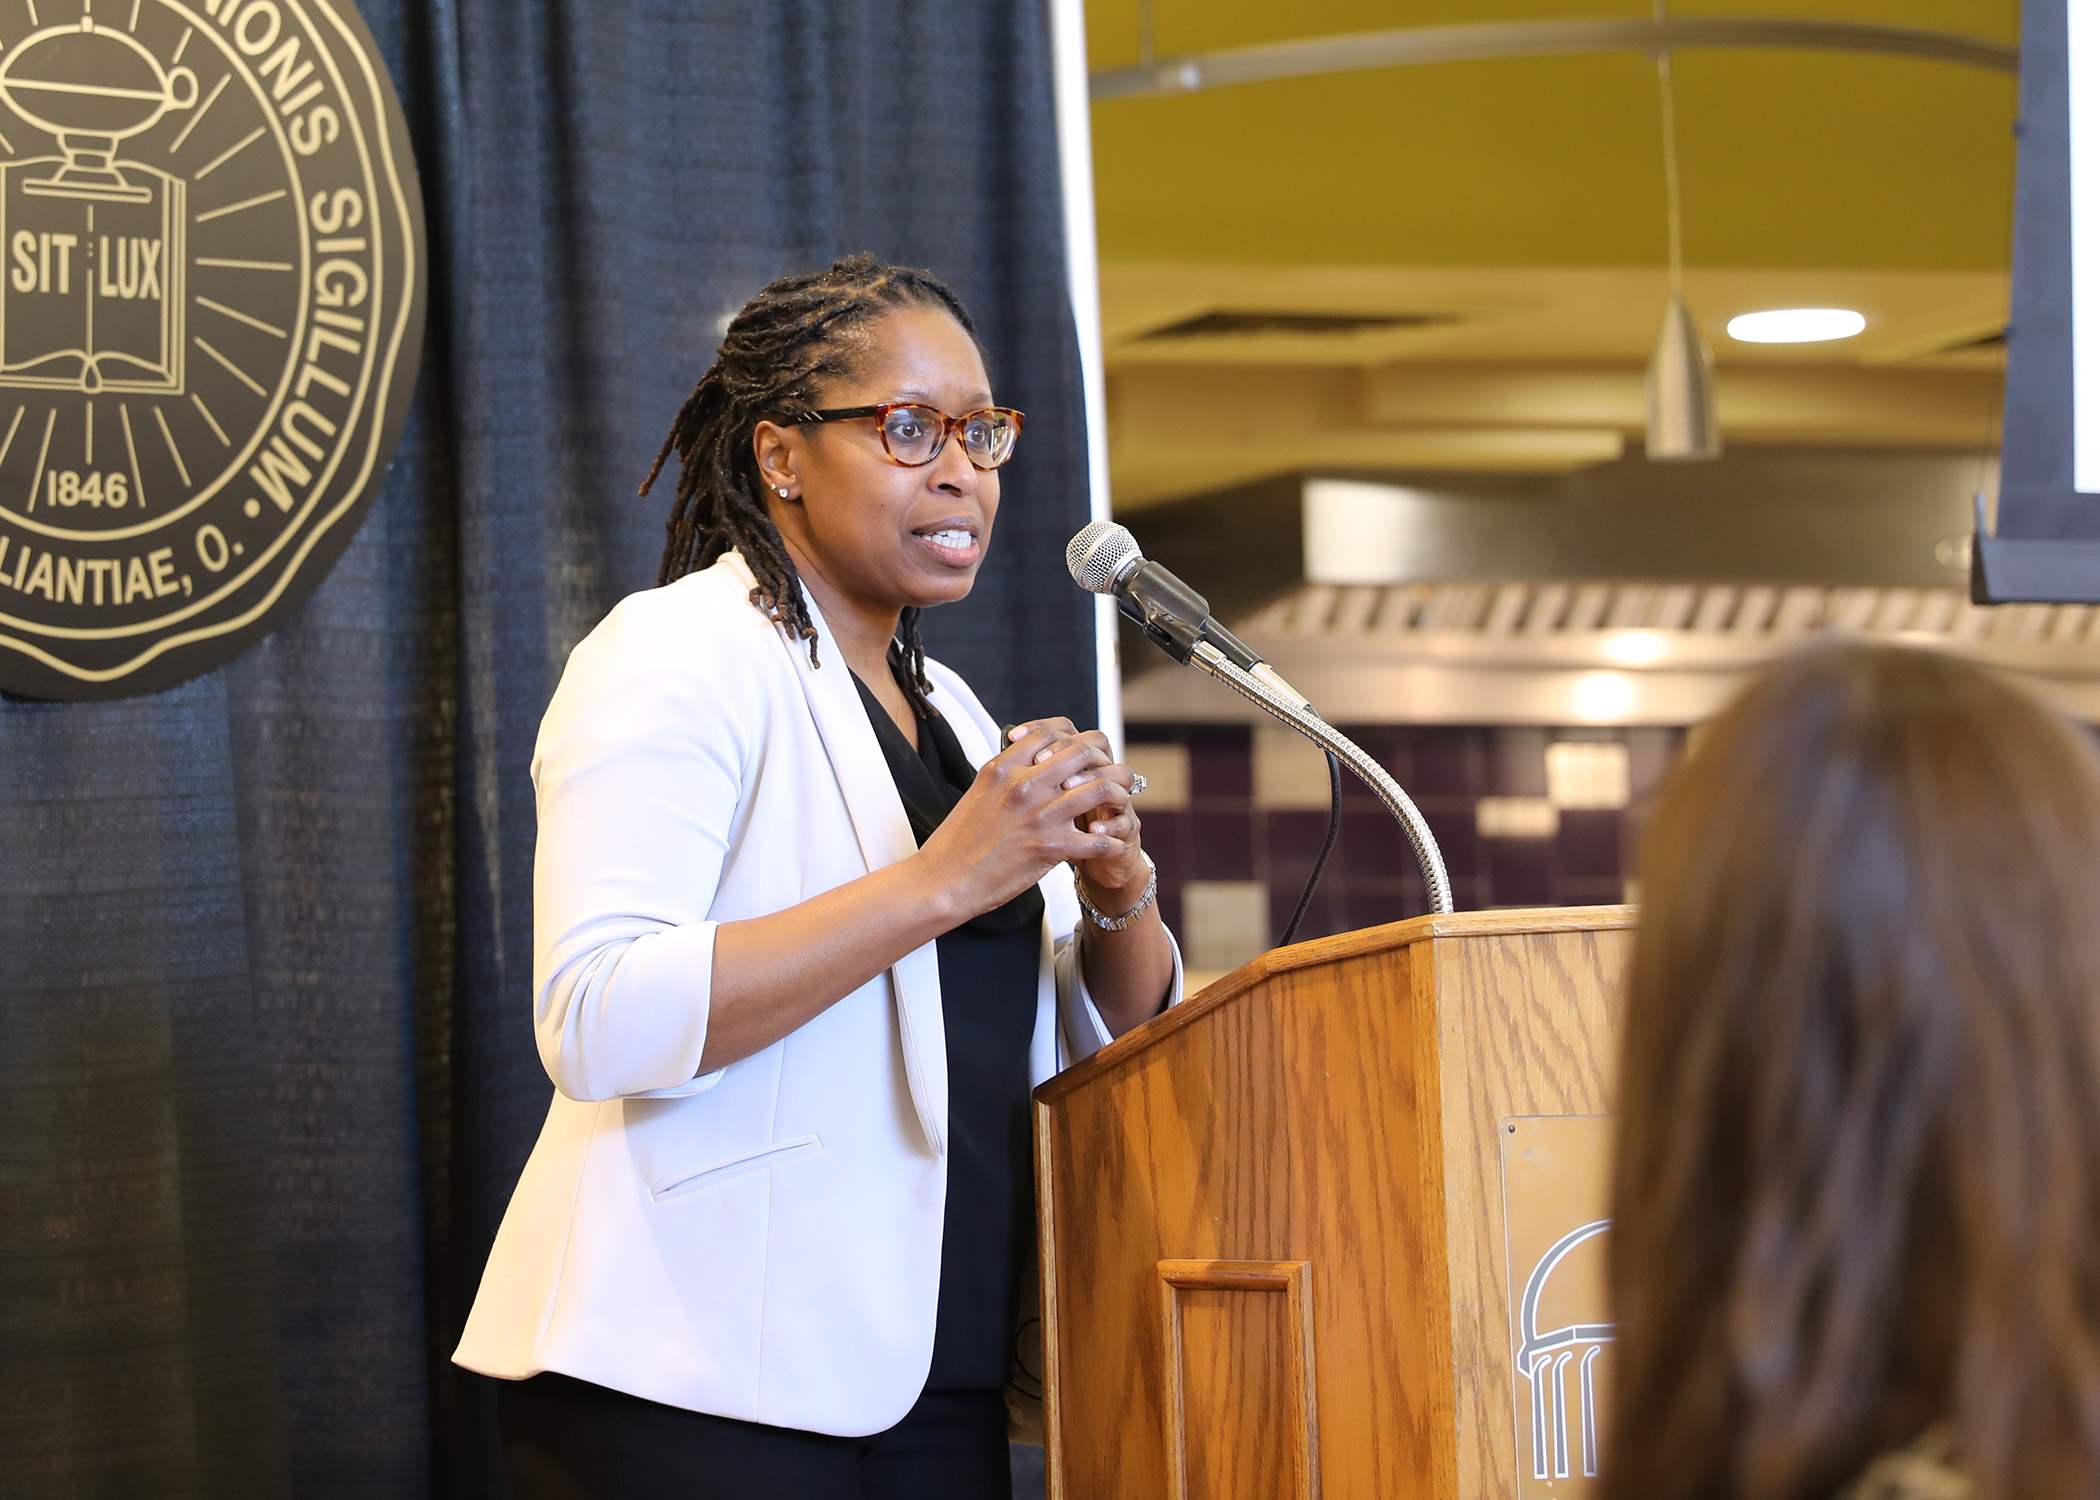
913,434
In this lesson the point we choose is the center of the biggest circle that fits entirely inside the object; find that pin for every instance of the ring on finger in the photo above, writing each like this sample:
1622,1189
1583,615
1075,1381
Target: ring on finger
1138,783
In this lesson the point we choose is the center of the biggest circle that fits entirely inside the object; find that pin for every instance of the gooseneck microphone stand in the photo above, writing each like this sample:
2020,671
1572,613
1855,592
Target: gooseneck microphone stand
1207,658
1103,558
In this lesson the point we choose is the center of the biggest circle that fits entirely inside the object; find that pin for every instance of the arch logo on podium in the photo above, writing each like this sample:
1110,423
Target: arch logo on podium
1555,1171
1559,1364
212,288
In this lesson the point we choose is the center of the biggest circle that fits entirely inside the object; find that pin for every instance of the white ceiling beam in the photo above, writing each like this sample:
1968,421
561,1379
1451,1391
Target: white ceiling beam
1411,46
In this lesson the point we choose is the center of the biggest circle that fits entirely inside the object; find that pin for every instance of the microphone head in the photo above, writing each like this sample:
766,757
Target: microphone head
1101,553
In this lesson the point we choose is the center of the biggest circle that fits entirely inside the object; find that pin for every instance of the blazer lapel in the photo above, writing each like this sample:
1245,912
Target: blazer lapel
885,837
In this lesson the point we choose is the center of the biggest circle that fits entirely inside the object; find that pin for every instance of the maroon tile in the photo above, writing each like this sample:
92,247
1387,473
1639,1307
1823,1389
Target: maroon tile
1322,919
1519,872
1468,893
1294,837
1457,836
1170,903
1518,766
1375,902
1569,891
1372,846
1290,866
1385,745
1166,837
1286,878
1220,845
1221,761
1589,844
1394,749
1444,762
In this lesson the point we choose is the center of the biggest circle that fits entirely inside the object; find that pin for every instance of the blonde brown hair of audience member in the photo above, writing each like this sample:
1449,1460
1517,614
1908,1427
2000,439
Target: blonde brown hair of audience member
1857,1189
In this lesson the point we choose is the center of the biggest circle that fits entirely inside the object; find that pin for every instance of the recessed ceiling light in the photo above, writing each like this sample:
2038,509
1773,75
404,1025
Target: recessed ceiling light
1795,325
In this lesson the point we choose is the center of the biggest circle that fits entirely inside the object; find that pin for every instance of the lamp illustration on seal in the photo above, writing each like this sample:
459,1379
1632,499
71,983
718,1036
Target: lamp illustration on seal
95,244
91,87
1544,1358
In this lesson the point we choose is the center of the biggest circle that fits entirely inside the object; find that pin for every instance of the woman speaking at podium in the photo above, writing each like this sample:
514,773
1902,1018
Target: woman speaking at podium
807,929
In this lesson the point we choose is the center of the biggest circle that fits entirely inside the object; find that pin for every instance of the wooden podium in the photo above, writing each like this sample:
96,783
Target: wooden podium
1277,1223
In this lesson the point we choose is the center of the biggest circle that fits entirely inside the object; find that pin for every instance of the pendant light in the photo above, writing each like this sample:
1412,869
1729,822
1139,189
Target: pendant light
1682,422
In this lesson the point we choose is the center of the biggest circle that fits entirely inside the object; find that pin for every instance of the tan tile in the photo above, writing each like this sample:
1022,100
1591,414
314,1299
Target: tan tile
1223,923
1588,774
1288,770
1166,772
1516,818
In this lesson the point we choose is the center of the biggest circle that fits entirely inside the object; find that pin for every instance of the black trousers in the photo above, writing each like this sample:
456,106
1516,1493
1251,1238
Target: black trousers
566,1439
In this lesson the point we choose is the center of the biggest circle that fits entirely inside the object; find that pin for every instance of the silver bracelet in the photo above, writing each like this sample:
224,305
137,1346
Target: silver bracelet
1117,924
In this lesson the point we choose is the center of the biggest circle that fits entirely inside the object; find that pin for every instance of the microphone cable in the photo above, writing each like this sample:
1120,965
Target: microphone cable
1334,827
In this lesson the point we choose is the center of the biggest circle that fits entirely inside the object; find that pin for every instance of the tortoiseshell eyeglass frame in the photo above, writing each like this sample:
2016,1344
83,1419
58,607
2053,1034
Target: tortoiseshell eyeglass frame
881,410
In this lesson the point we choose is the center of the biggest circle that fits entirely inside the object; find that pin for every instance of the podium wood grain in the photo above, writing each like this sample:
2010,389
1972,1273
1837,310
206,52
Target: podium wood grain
1327,1115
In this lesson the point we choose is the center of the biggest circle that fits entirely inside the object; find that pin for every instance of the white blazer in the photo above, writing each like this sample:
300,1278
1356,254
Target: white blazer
763,1241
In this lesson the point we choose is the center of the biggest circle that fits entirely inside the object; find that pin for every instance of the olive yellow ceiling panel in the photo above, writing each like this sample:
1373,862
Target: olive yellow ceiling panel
1790,158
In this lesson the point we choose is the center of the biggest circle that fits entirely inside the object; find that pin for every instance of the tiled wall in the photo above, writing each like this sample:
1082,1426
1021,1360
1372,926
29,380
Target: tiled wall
1234,816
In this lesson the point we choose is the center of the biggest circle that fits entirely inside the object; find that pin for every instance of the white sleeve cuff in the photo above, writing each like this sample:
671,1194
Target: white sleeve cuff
1086,1032
631,1019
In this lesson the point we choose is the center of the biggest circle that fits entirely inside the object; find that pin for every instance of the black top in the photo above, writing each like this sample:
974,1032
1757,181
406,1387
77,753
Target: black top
989,972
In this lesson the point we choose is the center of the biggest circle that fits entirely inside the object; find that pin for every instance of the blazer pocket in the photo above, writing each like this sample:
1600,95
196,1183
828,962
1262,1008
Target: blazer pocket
757,1161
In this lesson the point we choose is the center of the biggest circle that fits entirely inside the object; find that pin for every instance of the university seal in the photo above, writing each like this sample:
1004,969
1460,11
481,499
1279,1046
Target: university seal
212,271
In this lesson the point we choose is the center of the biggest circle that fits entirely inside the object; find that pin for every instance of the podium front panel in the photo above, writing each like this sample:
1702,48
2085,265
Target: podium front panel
1272,1220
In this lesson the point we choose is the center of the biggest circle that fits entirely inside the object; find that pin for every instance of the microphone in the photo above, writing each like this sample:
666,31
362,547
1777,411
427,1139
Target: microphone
1103,558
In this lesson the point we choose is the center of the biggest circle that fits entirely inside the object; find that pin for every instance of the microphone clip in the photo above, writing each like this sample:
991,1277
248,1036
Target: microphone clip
1166,629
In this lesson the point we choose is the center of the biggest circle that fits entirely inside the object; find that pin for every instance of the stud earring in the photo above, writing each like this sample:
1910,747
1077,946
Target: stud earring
781,490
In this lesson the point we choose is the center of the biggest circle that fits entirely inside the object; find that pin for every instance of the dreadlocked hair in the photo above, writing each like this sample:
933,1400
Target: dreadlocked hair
795,334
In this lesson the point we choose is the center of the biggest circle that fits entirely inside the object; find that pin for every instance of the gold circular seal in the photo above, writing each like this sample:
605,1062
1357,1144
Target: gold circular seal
212,269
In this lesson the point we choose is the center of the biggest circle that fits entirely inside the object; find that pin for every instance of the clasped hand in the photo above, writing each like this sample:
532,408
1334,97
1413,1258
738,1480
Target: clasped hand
1053,793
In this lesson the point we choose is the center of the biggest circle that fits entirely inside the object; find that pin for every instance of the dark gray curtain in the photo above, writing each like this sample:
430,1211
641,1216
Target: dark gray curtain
266,1073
